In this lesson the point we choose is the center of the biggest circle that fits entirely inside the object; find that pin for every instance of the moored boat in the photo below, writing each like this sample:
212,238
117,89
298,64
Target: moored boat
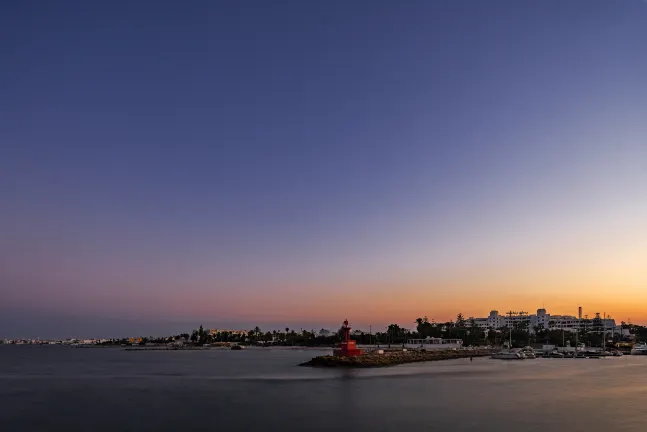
528,352
507,355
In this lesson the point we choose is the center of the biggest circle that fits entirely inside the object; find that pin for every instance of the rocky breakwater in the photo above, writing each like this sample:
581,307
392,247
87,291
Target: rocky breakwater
393,358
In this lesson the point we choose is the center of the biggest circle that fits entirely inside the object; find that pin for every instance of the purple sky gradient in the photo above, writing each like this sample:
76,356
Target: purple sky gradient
175,162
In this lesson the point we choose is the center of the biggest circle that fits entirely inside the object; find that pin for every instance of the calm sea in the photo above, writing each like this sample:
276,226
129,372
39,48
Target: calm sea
67,389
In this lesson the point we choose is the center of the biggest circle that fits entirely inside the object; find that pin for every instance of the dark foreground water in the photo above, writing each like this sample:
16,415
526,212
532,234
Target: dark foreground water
68,389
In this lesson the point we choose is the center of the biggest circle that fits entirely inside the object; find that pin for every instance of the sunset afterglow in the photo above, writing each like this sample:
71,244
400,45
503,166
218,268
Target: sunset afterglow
340,163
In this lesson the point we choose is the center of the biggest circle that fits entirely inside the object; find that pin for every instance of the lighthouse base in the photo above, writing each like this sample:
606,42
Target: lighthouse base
347,349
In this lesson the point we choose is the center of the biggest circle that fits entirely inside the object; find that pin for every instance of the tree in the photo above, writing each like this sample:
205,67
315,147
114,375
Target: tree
202,335
474,334
393,331
460,320
540,333
492,336
622,329
424,327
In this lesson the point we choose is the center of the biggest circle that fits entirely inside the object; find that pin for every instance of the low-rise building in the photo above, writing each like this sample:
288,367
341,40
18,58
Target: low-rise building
433,343
232,332
544,320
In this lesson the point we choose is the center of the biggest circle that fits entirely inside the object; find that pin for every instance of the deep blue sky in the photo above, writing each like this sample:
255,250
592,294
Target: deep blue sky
242,161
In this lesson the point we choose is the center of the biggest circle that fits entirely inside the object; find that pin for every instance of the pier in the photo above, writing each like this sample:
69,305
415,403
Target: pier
393,358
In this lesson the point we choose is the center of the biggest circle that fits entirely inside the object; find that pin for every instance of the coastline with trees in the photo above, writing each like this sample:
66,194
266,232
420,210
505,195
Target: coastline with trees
394,335
591,334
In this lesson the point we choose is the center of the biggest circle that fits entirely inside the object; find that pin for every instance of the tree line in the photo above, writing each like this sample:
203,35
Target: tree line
464,329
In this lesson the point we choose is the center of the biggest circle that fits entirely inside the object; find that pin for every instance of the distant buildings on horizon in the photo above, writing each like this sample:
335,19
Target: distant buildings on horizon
544,320
215,331
493,321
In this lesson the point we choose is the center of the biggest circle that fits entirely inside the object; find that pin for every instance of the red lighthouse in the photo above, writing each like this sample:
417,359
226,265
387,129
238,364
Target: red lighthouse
348,348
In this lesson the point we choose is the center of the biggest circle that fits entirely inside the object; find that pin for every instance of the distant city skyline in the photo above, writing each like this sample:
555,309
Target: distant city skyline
75,325
298,162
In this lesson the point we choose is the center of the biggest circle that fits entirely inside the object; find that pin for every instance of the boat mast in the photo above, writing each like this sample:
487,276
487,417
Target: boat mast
509,323
604,332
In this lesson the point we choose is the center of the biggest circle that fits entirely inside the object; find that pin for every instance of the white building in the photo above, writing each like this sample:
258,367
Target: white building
544,320
481,323
494,321
215,331
430,343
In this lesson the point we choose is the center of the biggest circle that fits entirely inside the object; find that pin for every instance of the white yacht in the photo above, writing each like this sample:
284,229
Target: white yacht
528,352
507,355
639,349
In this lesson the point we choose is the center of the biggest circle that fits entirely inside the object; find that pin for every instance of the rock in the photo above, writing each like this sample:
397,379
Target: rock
393,358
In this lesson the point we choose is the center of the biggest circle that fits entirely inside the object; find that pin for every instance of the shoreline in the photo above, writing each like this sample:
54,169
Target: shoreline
218,348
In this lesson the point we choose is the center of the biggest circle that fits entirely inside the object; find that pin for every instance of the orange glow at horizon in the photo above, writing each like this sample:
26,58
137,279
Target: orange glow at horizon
441,301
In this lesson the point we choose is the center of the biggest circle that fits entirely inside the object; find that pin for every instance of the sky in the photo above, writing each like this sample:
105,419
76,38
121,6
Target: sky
166,164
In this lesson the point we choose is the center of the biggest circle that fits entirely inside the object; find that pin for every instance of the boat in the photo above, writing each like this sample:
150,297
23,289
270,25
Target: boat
528,353
507,355
555,354
584,355
639,349
236,347
593,354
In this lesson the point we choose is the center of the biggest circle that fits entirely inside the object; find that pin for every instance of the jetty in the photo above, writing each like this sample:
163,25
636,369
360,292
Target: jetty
392,358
